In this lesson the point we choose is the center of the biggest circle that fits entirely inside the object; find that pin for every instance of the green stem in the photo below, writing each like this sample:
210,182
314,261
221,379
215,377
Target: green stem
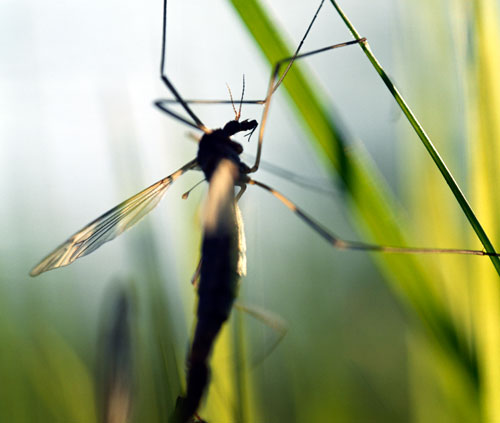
457,192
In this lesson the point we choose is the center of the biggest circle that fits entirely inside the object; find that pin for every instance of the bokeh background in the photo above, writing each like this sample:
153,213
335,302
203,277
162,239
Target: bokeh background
370,339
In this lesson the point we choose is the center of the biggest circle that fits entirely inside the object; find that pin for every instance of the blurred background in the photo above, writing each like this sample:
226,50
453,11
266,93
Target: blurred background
370,338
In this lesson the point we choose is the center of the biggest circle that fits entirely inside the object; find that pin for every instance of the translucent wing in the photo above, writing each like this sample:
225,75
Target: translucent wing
109,225
242,244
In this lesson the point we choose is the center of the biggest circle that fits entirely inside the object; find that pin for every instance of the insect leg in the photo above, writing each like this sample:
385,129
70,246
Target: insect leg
242,190
163,108
210,101
266,102
271,320
342,244
198,123
273,87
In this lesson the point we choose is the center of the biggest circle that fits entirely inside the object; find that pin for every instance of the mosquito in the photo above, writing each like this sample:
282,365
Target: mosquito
222,250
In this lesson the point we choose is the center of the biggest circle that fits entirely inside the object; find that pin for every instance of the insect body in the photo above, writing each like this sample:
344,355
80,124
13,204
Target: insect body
217,145
218,157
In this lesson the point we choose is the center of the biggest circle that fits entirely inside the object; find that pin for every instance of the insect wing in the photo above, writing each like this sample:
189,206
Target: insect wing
242,244
109,225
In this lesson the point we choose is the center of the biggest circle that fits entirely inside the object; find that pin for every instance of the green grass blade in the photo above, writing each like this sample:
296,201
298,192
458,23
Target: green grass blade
450,180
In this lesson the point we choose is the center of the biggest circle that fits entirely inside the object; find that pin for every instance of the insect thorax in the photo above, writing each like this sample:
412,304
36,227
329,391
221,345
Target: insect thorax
217,145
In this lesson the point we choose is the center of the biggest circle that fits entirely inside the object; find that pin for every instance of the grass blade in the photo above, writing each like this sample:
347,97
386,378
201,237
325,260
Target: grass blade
429,146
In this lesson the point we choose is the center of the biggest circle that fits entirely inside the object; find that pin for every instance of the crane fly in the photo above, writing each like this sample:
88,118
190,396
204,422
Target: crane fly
126,214
222,249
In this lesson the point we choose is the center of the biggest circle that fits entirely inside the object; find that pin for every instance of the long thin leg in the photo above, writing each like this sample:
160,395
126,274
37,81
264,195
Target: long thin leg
267,101
290,61
337,242
242,190
276,69
271,320
198,123
273,87
209,101
159,104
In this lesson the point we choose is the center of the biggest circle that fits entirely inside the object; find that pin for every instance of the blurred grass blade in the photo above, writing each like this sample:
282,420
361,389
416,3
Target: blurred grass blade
114,361
484,126
61,379
462,201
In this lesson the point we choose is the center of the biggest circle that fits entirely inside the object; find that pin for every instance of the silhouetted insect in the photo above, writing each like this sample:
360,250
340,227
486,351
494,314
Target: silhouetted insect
222,251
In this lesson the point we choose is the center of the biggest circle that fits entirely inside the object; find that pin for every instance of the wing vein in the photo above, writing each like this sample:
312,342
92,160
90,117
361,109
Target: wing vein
109,225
